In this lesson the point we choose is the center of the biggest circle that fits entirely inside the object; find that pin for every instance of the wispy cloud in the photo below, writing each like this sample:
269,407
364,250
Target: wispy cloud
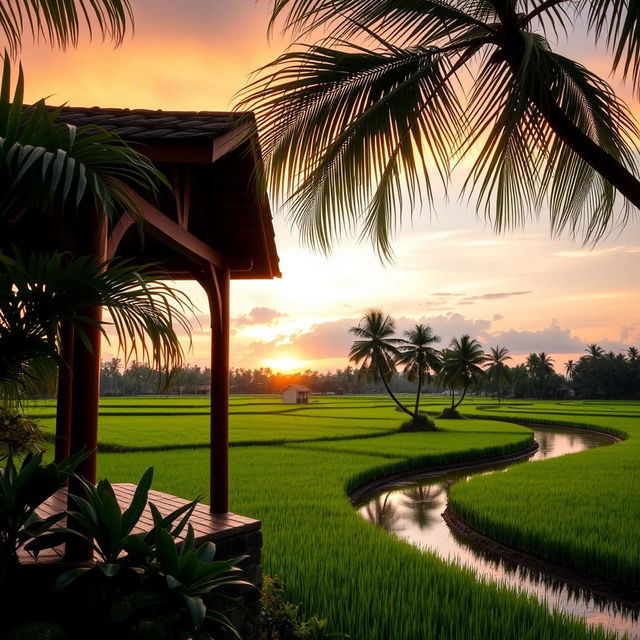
596,253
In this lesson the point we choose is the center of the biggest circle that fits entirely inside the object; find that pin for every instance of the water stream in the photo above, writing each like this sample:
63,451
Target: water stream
412,511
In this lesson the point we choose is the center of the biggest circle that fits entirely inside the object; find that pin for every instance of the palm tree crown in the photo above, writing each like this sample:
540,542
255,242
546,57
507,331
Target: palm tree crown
594,350
461,365
353,124
497,369
376,349
418,357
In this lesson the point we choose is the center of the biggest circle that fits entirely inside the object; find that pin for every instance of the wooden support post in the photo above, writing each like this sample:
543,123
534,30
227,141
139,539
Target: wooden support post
64,394
218,292
92,238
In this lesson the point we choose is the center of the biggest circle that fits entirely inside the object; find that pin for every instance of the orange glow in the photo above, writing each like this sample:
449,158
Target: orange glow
285,364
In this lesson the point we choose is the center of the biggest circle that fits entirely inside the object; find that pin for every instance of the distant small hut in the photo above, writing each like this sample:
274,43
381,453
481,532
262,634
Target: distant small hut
296,394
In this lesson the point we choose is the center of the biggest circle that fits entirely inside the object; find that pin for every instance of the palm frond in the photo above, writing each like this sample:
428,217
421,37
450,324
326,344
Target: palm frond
60,22
39,292
349,131
406,23
46,165
619,22
523,165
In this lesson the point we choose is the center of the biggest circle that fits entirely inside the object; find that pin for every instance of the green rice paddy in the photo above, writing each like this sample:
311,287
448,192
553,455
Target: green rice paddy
295,475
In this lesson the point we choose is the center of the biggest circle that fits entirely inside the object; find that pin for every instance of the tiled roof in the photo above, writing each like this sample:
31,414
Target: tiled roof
145,125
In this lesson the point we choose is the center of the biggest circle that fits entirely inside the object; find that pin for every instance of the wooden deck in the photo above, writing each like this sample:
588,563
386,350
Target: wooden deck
207,526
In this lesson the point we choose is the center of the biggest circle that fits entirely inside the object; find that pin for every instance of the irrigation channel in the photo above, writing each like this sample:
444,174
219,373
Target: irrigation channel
412,510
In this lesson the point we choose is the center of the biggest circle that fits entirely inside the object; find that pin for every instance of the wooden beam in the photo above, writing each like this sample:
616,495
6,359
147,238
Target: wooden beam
125,222
173,235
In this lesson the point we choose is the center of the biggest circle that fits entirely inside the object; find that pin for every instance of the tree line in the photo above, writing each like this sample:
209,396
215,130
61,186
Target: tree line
596,375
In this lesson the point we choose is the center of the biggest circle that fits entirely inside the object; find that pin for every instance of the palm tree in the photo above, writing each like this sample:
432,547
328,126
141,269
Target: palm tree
498,371
354,123
419,358
376,350
632,354
59,21
594,350
570,368
461,366
40,293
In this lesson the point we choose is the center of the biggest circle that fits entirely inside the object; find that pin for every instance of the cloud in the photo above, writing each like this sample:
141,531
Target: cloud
596,253
332,339
552,339
496,296
258,315
497,317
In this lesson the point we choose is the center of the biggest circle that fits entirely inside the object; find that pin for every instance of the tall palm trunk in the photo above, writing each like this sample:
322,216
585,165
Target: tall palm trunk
453,398
583,146
393,397
464,393
420,381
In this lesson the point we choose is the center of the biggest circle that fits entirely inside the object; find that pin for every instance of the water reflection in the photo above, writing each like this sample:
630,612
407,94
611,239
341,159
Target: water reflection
413,513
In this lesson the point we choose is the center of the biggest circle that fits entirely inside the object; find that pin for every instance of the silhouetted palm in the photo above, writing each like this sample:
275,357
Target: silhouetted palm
461,366
353,124
570,368
60,21
498,371
594,350
375,350
418,357
632,354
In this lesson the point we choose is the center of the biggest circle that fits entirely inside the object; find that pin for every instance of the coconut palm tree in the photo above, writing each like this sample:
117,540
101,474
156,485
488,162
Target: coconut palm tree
358,126
461,366
632,354
59,22
497,370
594,350
376,351
418,357
570,368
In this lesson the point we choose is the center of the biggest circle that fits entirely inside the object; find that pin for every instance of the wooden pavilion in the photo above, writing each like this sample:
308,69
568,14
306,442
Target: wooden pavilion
214,228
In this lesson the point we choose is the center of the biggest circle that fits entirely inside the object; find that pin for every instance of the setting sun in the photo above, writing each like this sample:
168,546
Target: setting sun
285,364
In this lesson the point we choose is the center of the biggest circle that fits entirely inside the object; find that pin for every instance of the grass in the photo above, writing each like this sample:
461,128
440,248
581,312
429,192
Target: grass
578,509
342,568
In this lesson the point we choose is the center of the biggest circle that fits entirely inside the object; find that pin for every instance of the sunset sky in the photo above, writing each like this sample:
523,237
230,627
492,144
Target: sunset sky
523,290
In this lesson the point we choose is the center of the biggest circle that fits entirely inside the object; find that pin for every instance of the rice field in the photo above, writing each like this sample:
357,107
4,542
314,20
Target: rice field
582,511
292,465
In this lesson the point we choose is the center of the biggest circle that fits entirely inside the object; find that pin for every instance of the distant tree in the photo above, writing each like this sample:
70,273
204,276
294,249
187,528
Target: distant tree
497,371
633,355
570,368
461,366
376,350
418,357
594,350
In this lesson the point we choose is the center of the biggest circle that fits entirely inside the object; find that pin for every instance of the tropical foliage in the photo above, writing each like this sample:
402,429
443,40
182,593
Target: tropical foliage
375,350
39,292
47,166
497,371
461,366
60,22
358,127
418,358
